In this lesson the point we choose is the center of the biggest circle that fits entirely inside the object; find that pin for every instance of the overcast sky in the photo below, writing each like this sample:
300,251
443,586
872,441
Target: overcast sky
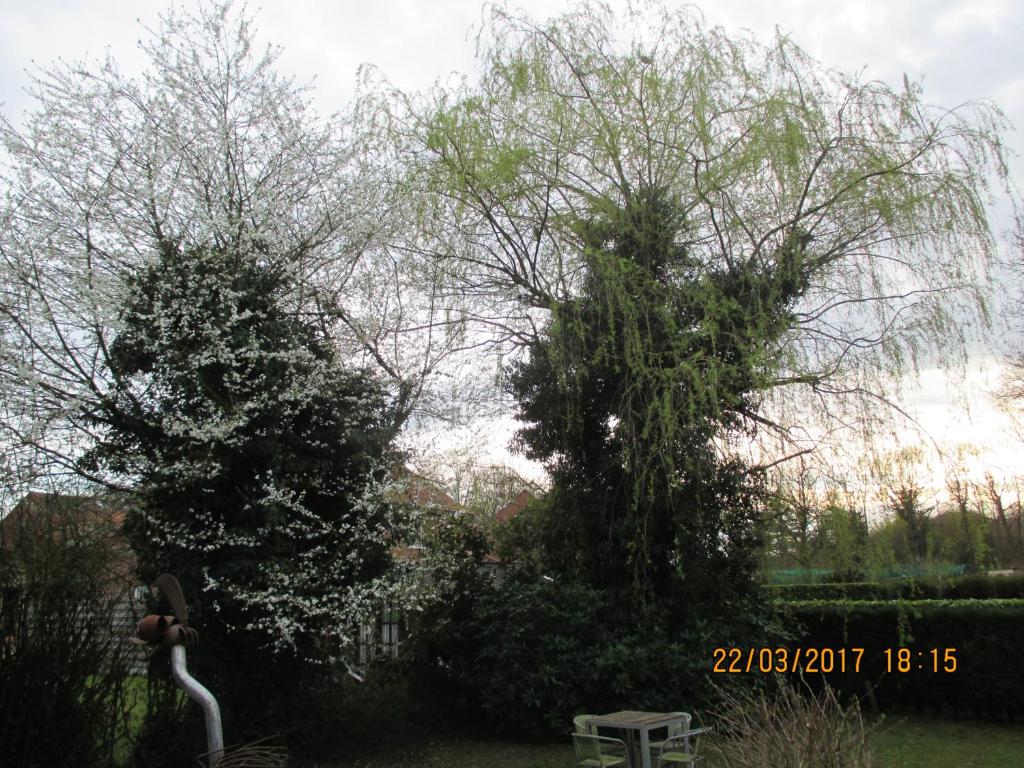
961,49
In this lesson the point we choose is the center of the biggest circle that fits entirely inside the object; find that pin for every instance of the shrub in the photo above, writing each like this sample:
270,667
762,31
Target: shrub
516,651
171,731
531,654
789,729
62,671
985,635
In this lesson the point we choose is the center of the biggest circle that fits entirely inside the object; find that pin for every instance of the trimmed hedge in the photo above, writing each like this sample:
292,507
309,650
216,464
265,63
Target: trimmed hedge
531,655
987,636
973,587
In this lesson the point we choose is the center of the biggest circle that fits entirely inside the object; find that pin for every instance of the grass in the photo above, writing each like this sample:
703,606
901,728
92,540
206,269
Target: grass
467,753
919,742
900,742
135,712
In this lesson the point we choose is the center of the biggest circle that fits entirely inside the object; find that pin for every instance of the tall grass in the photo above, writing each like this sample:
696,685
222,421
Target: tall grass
790,727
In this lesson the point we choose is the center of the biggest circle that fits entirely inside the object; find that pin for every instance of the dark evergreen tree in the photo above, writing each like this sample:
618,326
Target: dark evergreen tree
631,390
257,460
905,502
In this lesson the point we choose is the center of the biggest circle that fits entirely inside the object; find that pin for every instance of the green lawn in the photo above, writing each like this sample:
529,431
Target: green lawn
918,742
900,742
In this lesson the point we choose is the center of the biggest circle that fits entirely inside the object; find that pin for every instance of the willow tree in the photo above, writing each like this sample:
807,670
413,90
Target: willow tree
854,212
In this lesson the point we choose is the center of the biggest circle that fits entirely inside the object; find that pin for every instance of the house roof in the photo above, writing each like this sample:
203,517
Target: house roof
514,507
39,508
417,491
422,494
65,518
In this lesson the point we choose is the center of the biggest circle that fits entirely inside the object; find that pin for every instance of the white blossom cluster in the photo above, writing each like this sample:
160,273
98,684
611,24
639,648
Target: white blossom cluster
259,457
303,607
213,157
208,147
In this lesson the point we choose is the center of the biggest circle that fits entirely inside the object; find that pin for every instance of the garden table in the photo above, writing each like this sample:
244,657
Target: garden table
640,722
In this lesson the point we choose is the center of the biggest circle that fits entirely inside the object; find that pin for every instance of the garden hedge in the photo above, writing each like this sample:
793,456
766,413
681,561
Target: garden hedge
986,637
531,655
977,586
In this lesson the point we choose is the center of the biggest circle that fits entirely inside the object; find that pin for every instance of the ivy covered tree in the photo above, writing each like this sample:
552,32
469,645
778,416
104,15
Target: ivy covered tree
627,389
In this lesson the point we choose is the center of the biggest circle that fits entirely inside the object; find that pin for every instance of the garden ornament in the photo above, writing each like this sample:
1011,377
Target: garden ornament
173,634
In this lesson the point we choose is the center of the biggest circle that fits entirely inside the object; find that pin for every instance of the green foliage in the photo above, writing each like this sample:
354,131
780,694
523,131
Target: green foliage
674,227
811,521
63,664
526,541
453,565
533,654
962,537
841,536
626,392
906,504
519,653
986,636
865,204
172,727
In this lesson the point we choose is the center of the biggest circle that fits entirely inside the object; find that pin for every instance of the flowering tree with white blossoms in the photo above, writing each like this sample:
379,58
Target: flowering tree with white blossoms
258,457
209,145
183,316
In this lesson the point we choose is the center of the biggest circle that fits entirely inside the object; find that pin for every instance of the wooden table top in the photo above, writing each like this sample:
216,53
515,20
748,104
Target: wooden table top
631,719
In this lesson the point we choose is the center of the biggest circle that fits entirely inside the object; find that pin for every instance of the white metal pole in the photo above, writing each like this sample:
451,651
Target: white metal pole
198,693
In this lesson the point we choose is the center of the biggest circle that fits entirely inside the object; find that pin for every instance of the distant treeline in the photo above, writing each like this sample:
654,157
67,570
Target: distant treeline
829,536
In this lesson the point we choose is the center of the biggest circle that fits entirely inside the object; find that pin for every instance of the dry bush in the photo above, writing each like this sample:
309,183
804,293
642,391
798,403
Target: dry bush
790,727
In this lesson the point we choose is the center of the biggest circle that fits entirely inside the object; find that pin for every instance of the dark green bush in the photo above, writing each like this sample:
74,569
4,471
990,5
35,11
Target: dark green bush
512,650
987,636
59,688
172,730
316,712
534,653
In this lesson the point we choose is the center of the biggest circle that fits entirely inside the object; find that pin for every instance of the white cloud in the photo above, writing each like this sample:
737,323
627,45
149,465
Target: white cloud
990,15
1010,95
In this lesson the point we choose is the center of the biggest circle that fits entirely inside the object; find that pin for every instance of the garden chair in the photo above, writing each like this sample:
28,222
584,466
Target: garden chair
679,750
596,751
676,729
582,725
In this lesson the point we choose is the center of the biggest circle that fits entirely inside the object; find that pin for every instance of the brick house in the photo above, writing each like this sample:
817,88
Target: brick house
514,507
64,520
